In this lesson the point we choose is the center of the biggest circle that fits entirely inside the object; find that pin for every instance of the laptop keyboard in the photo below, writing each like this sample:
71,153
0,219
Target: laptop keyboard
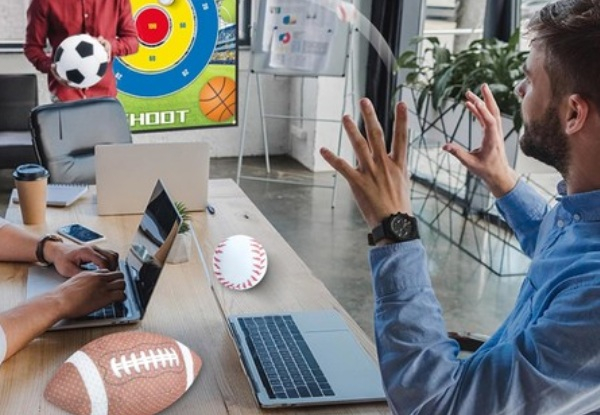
286,365
112,310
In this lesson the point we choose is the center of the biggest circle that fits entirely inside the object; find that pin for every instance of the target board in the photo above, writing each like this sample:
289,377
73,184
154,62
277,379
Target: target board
184,74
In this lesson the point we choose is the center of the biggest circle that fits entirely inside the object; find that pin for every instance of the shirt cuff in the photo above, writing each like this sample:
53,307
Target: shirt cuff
3,345
521,205
397,267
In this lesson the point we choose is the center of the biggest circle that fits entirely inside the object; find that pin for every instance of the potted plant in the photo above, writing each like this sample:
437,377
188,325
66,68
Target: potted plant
439,76
182,245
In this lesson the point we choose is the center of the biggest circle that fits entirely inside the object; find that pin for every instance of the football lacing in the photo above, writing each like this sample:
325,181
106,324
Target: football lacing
154,359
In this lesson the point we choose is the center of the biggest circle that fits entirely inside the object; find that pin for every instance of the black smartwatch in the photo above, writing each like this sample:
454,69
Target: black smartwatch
399,227
39,250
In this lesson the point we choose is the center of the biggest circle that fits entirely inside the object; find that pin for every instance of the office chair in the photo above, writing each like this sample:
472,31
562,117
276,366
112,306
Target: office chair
18,95
468,342
66,133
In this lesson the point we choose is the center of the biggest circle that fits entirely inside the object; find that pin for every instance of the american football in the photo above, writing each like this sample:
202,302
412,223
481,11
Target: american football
81,61
128,373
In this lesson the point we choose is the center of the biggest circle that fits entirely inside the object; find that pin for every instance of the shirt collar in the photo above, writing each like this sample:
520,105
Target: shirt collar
586,205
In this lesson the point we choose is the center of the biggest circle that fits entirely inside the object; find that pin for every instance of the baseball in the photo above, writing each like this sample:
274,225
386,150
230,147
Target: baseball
239,262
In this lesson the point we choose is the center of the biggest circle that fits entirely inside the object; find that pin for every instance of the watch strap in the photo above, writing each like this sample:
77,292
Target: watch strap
379,232
39,249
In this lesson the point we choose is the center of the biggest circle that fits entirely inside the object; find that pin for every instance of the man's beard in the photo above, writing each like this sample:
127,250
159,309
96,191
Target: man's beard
545,141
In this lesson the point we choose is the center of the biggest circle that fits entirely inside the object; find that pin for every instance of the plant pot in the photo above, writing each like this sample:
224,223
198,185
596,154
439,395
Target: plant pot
181,249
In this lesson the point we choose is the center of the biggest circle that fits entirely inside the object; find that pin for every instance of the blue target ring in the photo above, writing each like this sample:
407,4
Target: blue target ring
181,74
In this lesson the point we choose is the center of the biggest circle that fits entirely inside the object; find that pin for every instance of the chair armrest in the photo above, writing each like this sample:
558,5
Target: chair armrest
469,342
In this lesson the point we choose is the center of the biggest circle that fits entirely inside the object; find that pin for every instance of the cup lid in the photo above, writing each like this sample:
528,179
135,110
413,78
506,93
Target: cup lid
30,172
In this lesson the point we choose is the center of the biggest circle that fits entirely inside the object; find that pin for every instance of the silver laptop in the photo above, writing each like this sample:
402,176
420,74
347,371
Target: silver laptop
141,268
308,358
126,173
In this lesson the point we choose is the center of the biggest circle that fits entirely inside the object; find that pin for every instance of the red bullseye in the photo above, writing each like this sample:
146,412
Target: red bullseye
153,26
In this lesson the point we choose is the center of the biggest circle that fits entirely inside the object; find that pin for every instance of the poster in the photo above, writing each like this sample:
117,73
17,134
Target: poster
298,35
185,72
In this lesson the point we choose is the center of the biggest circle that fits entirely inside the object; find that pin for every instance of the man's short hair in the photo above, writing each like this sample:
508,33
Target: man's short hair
569,32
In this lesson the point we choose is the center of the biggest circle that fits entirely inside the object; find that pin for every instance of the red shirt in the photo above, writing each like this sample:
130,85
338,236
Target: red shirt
55,20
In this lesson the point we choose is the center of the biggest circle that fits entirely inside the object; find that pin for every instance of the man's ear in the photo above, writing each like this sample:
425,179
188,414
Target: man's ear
577,114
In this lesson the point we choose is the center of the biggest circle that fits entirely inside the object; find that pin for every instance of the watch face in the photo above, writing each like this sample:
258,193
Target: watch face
401,227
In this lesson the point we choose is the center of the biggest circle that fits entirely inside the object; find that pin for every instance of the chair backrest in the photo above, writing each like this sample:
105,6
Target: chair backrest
66,133
18,95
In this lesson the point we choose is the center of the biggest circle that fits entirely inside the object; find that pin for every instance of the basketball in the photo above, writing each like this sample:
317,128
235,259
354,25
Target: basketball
81,60
218,98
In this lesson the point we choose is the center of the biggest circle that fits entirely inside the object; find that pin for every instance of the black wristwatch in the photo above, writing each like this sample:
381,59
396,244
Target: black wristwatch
39,250
399,227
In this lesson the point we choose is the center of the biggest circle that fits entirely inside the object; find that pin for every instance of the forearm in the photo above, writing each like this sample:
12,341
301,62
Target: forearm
126,41
35,37
124,46
410,332
524,209
422,373
17,244
27,321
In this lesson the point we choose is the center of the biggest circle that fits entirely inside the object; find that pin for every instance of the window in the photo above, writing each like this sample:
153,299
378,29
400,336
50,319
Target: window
244,22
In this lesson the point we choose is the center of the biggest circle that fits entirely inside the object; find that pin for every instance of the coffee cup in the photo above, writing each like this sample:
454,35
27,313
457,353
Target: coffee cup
31,181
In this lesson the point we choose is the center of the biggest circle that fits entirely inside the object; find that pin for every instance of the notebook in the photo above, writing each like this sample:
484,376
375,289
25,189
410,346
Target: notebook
60,195
310,358
141,268
125,174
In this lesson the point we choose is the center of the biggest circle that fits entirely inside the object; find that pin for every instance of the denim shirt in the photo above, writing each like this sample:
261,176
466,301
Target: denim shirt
544,358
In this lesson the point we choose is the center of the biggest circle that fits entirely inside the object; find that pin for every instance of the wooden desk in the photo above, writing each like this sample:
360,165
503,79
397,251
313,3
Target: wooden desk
184,307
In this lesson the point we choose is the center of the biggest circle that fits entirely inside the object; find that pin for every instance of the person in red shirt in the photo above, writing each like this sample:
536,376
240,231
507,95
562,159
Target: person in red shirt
51,21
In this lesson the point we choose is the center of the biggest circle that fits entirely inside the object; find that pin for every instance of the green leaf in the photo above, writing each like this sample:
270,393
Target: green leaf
446,75
185,217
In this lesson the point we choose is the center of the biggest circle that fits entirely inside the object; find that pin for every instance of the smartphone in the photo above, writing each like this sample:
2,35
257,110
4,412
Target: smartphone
80,234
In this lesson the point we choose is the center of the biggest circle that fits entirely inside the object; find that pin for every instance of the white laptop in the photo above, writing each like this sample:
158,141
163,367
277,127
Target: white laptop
126,173
310,358
141,268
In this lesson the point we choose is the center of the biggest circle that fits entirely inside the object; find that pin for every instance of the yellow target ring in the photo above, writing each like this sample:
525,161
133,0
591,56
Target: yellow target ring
165,34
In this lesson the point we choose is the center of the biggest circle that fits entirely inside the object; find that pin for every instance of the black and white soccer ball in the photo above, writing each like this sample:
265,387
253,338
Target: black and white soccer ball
81,60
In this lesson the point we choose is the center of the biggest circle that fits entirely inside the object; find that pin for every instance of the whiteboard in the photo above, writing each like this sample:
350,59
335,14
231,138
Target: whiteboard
261,59
13,20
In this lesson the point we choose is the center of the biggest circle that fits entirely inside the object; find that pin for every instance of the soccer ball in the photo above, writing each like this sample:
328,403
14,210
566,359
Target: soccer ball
81,61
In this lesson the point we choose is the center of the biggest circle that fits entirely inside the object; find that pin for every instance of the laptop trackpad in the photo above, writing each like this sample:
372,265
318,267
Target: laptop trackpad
351,372
40,280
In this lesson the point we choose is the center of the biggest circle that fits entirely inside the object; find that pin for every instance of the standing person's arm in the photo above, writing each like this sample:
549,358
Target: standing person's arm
36,35
126,42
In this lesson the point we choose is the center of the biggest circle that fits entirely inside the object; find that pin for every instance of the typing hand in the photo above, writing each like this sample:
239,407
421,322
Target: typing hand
88,291
69,258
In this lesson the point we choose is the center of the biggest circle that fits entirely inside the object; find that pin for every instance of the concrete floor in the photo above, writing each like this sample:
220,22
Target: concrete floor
333,244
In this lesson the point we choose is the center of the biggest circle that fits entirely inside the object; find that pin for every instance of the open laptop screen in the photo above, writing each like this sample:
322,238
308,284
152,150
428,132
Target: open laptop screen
151,243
